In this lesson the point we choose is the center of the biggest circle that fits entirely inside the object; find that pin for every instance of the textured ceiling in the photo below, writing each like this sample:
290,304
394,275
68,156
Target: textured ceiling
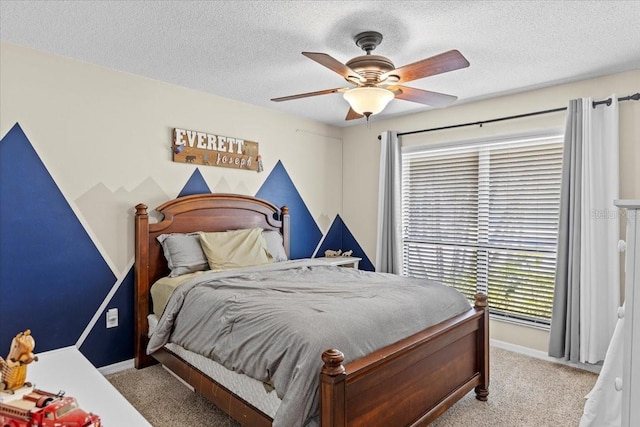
251,50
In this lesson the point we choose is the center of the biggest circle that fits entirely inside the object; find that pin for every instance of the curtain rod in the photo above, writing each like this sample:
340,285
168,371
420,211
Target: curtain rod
634,97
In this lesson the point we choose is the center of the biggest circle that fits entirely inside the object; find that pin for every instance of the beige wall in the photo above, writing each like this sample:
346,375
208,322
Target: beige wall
361,153
105,138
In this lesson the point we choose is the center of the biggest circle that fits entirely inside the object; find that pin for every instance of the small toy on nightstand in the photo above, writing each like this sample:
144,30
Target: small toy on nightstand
330,253
21,405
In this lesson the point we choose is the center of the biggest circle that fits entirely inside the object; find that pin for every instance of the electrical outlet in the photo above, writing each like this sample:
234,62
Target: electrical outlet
112,318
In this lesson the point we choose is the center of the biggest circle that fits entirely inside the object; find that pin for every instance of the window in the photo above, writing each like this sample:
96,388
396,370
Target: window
483,217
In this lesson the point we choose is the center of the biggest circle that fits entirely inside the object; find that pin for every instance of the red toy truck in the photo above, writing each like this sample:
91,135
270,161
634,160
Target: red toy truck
39,408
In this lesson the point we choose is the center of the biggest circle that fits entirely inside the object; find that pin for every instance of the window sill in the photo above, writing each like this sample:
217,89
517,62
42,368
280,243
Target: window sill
519,322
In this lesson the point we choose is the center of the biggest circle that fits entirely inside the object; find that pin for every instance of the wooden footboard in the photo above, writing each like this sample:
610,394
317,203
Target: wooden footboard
411,382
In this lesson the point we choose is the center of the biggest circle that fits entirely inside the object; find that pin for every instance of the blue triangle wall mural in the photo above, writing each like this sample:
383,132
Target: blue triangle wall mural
339,237
195,185
52,277
280,190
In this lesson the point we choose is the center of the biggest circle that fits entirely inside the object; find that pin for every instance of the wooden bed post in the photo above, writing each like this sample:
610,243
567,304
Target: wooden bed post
284,217
141,287
482,390
332,390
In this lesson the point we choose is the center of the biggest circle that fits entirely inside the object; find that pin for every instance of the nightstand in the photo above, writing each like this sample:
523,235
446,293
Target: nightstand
343,261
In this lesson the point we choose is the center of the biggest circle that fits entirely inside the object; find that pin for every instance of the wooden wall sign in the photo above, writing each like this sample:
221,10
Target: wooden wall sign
201,148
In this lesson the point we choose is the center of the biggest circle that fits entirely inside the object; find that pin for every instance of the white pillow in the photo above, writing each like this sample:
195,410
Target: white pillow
275,245
234,249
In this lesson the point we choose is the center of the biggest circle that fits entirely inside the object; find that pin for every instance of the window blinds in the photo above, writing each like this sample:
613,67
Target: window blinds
484,217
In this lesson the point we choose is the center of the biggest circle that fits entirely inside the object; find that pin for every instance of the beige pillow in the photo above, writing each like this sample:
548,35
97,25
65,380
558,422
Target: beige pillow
234,249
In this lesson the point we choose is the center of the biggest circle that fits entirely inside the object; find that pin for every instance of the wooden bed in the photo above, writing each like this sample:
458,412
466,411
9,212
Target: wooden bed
408,383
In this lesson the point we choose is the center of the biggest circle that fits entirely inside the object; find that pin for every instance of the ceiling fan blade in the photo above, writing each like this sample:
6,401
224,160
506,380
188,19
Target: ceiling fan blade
308,94
442,63
421,96
333,64
352,115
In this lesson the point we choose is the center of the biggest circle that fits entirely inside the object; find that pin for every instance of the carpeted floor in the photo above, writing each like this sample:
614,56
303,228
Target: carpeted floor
524,392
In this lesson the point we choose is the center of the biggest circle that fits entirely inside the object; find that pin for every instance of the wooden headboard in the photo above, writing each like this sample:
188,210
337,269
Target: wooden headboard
201,212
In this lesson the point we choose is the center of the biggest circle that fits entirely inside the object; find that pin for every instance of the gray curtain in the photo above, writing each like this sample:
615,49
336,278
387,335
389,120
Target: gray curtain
564,340
389,245
587,288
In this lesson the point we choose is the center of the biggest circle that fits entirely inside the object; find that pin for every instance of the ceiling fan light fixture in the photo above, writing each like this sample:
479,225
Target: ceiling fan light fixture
368,100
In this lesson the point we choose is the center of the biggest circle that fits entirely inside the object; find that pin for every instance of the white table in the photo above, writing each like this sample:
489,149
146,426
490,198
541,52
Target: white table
67,369
344,261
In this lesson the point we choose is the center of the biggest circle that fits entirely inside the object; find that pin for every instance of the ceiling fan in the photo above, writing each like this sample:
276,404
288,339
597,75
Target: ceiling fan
377,80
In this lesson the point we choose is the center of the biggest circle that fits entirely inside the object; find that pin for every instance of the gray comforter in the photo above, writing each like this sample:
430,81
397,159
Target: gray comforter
272,323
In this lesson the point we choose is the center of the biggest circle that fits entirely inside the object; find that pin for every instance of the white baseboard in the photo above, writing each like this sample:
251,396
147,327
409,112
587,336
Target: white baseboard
520,349
543,356
117,367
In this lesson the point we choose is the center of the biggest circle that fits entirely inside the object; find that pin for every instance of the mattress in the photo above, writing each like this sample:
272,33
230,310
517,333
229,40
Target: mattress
253,391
